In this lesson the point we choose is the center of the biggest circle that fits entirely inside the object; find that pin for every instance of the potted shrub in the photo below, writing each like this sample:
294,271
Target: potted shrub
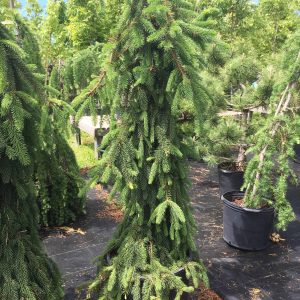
224,140
228,139
248,216
297,153
151,64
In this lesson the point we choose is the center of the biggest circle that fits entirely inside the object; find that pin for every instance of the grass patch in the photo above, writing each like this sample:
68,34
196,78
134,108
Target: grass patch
84,153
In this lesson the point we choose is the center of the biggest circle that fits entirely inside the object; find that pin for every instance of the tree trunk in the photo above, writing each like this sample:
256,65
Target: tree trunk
11,3
246,119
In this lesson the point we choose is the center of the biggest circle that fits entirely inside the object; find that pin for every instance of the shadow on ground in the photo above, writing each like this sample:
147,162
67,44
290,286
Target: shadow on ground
75,252
235,275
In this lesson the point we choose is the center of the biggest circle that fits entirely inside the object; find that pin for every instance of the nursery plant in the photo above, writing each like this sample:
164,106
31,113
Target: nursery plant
261,27
152,63
238,76
26,271
57,175
277,139
268,172
227,137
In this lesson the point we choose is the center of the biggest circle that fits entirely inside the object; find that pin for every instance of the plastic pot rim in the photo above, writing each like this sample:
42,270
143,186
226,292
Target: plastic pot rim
233,206
228,171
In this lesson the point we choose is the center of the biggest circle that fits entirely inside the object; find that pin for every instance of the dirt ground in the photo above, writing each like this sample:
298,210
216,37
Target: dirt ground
235,275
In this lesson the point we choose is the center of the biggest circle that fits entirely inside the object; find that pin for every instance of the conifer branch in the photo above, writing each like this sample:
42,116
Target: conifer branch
178,64
170,18
98,85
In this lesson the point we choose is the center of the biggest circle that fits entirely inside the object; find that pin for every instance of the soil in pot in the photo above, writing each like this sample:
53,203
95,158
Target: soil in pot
230,177
246,228
204,293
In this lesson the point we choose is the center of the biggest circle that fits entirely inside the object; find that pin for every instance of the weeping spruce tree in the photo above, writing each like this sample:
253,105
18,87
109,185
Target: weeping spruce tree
26,271
266,178
152,64
57,175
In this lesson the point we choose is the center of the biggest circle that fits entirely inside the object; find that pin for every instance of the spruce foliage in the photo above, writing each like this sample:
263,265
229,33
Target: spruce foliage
71,76
151,65
26,272
28,42
194,133
57,177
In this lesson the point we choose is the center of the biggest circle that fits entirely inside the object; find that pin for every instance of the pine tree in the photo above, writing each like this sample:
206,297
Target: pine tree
152,63
228,139
26,271
266,178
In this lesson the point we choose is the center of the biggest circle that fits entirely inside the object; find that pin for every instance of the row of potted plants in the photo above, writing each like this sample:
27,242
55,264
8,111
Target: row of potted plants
254,193
253,190
244,228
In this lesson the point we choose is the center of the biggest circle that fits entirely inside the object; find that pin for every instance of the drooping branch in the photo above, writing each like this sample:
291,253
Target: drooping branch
98,85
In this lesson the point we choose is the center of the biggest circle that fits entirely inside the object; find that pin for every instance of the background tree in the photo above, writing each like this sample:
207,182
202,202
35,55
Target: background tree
75,25
76,30
85,24
259,29
72,76
232,19
34,13
54,39
112,11
274,22
248,28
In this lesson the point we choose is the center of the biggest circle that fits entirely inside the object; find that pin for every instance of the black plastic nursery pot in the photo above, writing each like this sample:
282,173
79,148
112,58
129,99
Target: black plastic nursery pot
179,272
229,180
246,228
297,153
